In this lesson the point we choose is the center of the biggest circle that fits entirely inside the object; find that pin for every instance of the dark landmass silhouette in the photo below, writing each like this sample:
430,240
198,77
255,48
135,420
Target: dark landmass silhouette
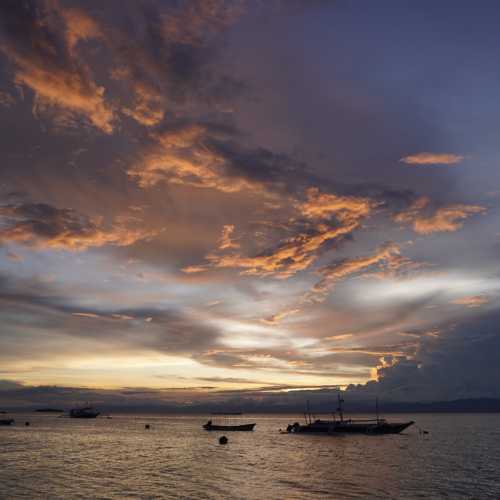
471,405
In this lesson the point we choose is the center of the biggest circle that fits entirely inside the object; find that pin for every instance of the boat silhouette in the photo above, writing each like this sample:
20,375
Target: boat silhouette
83,412
348,426
228,424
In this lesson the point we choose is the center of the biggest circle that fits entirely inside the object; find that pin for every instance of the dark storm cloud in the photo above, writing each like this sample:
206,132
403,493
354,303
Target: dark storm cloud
459,362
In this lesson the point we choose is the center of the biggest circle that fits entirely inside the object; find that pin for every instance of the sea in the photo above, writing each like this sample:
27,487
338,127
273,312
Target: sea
118,458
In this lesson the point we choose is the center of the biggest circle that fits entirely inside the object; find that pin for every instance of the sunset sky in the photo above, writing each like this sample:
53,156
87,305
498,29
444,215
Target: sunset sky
210,197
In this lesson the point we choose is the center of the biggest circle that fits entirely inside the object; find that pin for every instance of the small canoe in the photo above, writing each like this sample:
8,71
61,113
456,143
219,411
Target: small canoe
6,421
214,427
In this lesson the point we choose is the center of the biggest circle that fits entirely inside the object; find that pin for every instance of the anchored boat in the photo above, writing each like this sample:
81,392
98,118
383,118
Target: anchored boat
228,424
342,425
83,412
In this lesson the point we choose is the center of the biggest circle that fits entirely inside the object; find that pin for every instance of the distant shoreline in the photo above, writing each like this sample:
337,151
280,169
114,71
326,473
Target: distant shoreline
482,405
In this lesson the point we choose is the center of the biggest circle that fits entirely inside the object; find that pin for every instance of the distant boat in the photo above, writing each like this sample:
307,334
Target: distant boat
6,421
49,410
83,412
341,425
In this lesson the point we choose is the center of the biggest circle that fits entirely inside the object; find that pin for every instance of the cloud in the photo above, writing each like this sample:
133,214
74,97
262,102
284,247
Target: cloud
325,205
320,219
189,154
444,219
14,257
432,159
79,27
6,100
44,62
386,257
192,22
471,301
209,155
61,329
166,64
459,362
226,242
337,271
278,317
288,258
38,225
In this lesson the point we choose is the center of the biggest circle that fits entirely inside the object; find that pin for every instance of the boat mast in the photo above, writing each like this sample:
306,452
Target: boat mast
309,419
339,409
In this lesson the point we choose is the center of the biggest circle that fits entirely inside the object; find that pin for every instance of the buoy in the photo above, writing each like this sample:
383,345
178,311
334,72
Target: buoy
223,440
26,424
146,426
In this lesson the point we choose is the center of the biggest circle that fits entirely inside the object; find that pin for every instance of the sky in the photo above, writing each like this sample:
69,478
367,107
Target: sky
213,199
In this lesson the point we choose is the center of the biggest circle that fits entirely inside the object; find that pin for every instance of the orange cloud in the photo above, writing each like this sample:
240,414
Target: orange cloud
277,318
471,301
41,226
432,159
147,108
79,26
86,315
444,219
298,252
226,241
325,205
413,211
292,256
335,272
45,61
184,155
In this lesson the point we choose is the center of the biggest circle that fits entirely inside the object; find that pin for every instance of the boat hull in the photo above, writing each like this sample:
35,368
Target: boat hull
230,428
350,427
83,413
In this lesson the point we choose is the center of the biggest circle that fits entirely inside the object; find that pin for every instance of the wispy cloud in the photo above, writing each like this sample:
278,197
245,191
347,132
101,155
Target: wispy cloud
471,301
432,159
426,220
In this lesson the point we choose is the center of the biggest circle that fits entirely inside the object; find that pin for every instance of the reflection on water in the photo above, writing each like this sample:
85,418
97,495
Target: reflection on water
175,458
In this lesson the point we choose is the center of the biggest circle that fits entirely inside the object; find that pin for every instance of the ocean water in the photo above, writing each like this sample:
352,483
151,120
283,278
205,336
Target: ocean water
119,459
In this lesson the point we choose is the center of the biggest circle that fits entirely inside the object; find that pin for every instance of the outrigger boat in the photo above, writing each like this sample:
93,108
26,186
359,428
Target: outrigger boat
228,424
341,425
215,427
